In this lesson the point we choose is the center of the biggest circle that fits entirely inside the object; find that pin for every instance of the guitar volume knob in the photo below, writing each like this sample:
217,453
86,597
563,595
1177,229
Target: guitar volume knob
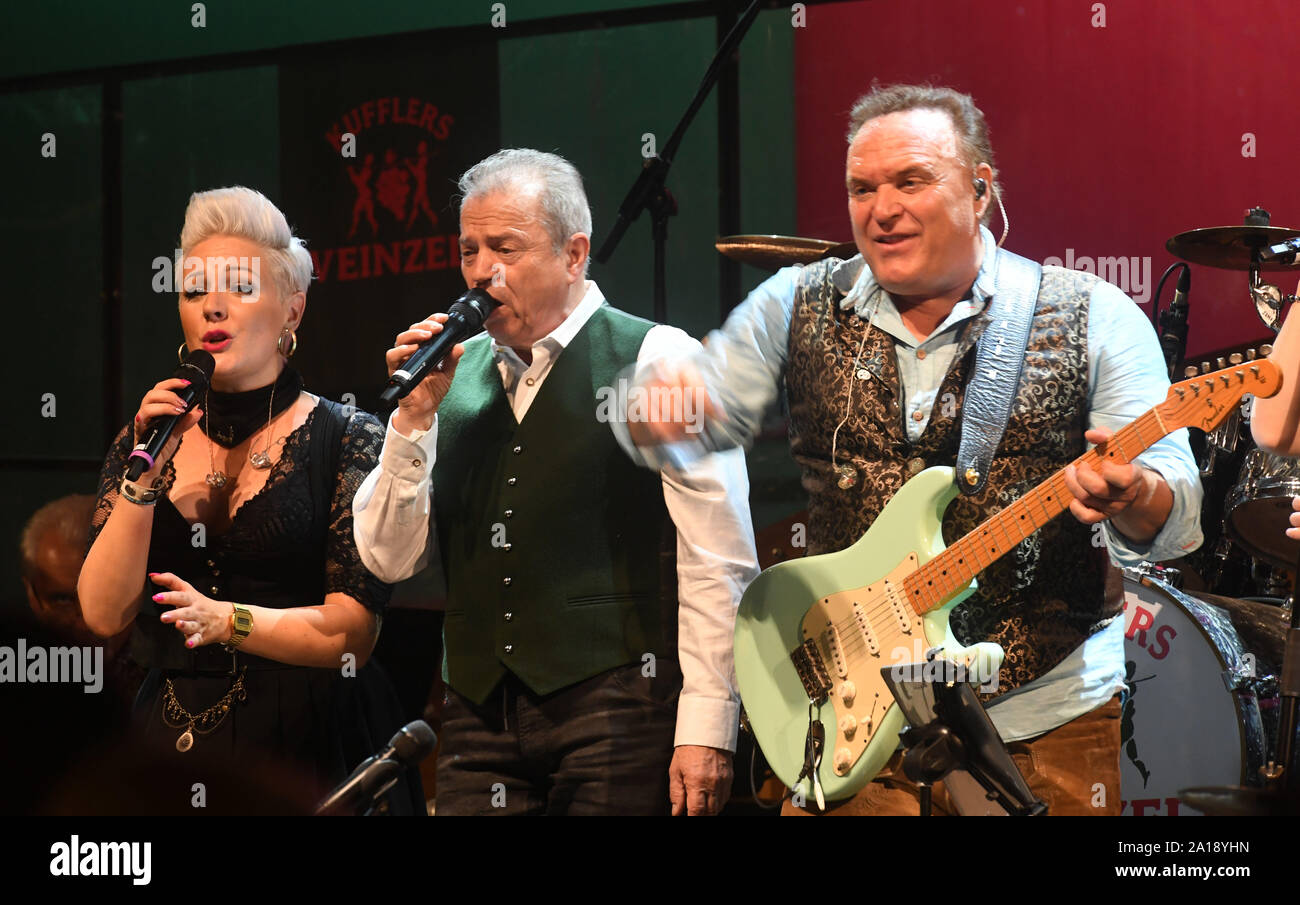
848,725
847,692
843,760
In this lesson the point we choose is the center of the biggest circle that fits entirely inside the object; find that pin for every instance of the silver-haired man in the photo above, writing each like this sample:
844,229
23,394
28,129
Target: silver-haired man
590,604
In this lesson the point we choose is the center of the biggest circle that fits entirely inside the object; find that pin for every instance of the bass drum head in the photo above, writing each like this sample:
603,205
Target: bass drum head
1182,727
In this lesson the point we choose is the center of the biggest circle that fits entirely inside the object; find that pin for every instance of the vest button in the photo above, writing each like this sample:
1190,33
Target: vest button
416,462
511,481
863,374
506,581
508,616
916,466
215,590
510,513
505,547
918,415
510,648
518,450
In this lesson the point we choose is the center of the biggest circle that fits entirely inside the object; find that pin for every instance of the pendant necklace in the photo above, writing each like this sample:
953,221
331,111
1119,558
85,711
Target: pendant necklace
263,458
215,479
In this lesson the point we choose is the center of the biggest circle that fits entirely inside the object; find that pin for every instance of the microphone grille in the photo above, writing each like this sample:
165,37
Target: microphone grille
197,368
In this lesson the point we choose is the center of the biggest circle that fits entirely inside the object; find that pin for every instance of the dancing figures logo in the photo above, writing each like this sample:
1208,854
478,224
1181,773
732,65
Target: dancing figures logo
391,220
371,150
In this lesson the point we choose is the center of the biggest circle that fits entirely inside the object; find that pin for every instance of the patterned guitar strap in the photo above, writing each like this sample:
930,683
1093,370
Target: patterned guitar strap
999,362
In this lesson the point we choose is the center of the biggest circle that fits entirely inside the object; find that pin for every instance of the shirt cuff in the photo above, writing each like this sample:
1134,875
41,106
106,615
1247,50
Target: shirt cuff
1180,534
409,457
705,721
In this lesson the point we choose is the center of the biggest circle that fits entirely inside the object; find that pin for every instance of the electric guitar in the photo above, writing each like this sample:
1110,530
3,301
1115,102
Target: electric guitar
813,634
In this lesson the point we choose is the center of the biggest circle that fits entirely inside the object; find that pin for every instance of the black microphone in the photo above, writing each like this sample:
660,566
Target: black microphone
372,778
463,321
1173,323
1285,249
197,369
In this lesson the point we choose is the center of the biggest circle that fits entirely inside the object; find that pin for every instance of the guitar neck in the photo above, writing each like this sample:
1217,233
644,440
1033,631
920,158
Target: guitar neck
1201,402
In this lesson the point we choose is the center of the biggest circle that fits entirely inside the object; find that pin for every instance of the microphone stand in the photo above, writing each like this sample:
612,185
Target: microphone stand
650,190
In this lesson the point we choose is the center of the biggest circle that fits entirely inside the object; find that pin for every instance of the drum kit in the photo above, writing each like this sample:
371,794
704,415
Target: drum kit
1204,635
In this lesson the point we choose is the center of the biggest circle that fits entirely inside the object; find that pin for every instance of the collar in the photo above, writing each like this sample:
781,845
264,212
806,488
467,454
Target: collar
855,281
559,338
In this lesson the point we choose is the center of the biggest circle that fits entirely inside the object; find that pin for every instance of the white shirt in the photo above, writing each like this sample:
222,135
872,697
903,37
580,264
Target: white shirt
707,501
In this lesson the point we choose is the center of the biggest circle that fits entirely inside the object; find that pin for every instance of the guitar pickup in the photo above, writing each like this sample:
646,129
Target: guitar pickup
812,672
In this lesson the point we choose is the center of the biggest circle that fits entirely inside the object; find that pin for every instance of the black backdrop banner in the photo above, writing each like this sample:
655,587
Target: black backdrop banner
370,152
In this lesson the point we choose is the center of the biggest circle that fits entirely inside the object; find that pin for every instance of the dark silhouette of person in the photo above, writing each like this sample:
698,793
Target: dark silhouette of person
365,203
1126,721
420,194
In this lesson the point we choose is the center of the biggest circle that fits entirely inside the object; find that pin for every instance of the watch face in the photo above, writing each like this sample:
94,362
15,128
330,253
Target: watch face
243,622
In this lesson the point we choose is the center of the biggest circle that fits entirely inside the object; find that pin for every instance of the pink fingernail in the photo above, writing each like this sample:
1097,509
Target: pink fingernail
157,598
189,642
186,382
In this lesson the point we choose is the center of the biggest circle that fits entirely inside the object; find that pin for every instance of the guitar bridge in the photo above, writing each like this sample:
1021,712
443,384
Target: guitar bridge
812,672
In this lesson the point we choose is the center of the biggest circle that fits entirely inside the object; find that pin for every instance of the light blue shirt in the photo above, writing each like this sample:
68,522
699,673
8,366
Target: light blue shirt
743,365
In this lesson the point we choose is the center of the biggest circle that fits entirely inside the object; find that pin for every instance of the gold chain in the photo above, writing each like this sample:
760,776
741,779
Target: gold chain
176,716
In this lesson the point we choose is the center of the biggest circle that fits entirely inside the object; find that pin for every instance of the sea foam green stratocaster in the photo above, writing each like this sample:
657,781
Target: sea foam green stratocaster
819,629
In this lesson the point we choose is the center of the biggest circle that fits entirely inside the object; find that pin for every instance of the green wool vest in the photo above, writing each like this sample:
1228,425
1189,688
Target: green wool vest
559,552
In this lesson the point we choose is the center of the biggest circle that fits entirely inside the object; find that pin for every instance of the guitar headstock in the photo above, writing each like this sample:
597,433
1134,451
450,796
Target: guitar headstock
1207,397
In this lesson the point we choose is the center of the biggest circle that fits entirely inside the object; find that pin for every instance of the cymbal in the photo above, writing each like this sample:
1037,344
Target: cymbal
775,252
1229,247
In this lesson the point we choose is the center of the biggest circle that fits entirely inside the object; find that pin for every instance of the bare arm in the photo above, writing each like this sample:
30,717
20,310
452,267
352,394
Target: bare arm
300,636
1275,421
112,578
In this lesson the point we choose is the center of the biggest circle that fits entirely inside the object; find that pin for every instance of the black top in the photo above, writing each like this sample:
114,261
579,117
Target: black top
287,546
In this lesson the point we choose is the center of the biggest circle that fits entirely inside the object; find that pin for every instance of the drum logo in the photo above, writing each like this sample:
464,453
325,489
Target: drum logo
1142,620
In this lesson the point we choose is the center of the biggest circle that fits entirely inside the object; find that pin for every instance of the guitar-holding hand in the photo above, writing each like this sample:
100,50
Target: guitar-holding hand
1137,500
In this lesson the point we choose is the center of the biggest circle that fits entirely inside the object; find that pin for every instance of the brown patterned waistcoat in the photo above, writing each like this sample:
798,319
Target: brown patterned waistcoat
1046,596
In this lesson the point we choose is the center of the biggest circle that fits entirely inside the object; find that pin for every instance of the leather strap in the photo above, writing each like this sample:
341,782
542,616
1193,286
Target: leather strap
999,362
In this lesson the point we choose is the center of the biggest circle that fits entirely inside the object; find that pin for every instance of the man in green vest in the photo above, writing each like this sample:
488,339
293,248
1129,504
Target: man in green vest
590,603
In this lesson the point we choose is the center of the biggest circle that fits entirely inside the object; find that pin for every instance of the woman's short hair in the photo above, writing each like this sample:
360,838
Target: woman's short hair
248,214
563,200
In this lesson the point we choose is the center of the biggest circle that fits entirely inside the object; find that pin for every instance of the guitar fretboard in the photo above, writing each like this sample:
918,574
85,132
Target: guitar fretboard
930,586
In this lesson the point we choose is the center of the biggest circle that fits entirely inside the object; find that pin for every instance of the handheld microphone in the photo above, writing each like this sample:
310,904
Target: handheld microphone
412,744
197,369
464,320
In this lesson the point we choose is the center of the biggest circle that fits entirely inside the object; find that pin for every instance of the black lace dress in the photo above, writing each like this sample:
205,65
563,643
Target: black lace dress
287,546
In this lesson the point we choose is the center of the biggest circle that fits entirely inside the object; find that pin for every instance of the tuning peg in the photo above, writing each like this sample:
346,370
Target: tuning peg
1190,371
1220,364
1205,367
1235,358
1250,354
1266,350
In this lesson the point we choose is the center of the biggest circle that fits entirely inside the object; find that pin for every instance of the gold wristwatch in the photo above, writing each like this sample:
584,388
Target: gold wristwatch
241,626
